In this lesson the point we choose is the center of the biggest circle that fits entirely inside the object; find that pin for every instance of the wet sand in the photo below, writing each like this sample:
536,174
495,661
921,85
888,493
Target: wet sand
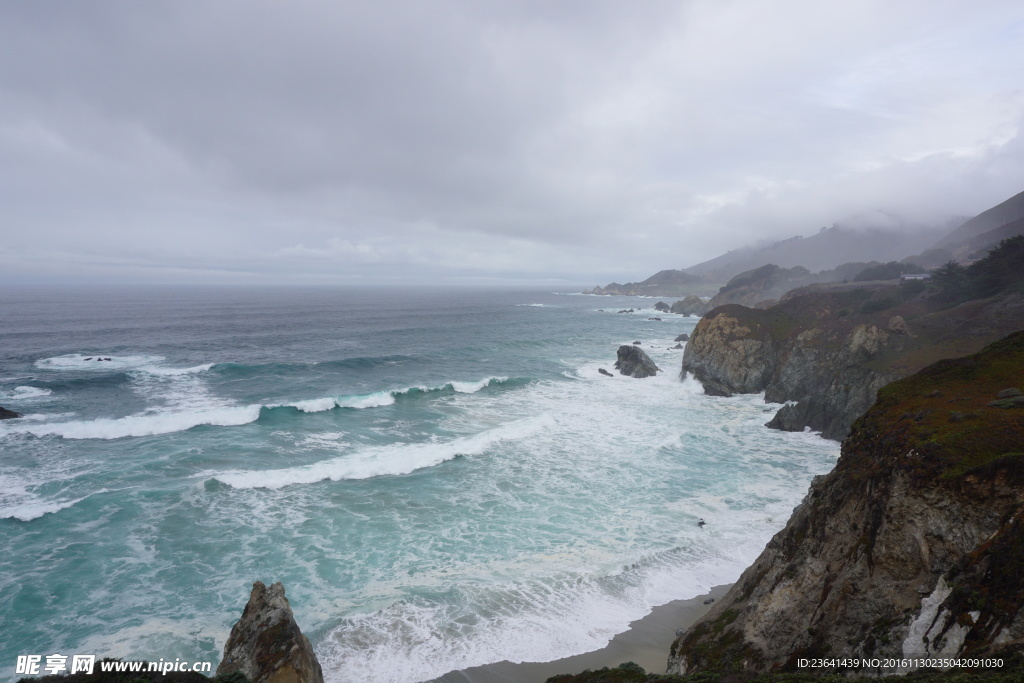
647,643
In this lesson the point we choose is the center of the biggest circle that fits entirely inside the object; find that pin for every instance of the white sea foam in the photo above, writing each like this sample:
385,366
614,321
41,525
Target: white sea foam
383,460
20,485
385,398
170,372
473,387
89,361
106,362
26,512
24,393
315,405
374,400
142,425
531,620
186,403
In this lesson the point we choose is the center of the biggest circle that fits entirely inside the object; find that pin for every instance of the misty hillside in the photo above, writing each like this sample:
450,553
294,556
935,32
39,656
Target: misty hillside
662,283
977,236
823,251
1010,210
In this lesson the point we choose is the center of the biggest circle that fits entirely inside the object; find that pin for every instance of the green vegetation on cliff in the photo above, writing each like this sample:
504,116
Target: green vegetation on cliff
952,415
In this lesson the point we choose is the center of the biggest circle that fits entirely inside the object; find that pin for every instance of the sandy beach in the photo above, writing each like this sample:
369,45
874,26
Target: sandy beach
646,642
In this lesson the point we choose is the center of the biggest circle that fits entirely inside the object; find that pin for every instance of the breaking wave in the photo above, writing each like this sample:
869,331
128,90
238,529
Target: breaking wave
383,460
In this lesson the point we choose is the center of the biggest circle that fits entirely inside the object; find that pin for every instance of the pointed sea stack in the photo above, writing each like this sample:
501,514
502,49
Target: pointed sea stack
266,644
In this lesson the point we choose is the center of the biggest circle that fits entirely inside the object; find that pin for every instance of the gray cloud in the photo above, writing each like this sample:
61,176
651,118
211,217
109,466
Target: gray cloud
319,142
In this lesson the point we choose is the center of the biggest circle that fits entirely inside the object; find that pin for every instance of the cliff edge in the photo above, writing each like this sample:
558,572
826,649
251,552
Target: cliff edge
826,351
913,546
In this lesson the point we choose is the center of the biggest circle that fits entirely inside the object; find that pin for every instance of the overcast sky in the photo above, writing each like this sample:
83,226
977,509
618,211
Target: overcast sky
580,141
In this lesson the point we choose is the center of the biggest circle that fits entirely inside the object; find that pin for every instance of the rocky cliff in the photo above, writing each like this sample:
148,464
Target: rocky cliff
913,546
826,350
266,644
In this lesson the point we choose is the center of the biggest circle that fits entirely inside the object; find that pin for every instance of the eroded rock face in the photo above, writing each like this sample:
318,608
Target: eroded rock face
913,546
635,363
729,356
266,644
822,353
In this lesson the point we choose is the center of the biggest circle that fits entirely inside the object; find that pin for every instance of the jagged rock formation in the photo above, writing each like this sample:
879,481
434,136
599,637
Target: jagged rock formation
6,414
913,546
828,349
691,305
633,362
266,644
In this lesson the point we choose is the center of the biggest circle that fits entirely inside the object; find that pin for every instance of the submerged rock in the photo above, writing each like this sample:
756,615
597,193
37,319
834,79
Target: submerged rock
266,644
635,363
605,372
8,414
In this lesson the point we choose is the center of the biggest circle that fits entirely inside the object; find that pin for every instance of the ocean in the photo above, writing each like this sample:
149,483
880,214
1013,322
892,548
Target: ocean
441,478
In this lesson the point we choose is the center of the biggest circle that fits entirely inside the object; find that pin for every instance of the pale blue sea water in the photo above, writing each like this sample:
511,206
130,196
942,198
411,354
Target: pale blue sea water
441,478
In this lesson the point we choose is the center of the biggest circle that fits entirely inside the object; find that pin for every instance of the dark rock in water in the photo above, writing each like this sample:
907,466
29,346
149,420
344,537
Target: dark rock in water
605,372
691,305
89,358
8,414
637,343
791,417
662,306
658,319
709,601
266,644
682,337
1009,393
677,346
635,363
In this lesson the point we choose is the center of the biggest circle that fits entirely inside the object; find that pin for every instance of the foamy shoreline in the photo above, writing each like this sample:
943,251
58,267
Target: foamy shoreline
646,643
